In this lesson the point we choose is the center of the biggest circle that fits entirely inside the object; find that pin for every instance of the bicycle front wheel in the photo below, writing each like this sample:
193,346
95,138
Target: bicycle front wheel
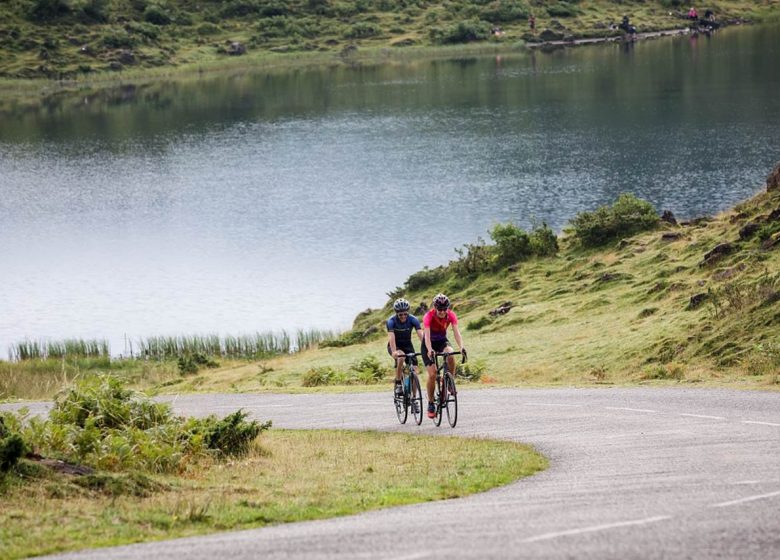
401,406
441,401
452,401
417,400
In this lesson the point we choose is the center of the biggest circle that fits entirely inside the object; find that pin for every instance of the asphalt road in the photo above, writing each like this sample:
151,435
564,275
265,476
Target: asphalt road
635,473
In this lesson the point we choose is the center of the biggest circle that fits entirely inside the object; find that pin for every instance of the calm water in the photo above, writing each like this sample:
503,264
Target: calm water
296,199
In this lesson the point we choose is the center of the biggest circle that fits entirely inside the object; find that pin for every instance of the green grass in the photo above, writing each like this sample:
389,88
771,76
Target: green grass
76,43
287,477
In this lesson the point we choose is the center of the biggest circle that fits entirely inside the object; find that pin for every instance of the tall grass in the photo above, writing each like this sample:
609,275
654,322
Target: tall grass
249,346
59,349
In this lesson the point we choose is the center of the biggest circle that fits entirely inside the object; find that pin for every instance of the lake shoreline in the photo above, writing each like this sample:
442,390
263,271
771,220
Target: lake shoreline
271,62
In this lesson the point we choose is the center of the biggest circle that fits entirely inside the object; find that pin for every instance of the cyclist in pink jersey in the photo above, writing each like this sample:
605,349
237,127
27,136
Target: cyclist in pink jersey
435,323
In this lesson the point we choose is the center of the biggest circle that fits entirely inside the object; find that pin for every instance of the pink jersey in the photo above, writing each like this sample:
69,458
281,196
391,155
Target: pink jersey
439,326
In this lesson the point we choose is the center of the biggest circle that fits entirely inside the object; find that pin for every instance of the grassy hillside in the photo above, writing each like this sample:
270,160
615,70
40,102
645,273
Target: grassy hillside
74,38
648,308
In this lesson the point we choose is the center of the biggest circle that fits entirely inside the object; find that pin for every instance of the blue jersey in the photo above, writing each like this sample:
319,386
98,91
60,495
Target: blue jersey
403,331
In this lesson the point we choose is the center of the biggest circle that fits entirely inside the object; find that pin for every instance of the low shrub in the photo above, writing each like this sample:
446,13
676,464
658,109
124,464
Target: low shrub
192,363
12,446
102,424
543,241
46,10
505,11
158,14
471,371
662,372
425,278
512,243
473,258
320,376
368,371
92,10
362,30
480,323
145,30
462,32
207,29
562,9
118,39
627,216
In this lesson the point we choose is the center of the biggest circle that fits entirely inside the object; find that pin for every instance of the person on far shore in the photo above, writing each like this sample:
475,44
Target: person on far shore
532,23
692,15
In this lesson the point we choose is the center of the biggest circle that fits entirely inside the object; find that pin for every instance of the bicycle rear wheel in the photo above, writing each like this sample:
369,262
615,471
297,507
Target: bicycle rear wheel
401,406
416,399
452,401
441,400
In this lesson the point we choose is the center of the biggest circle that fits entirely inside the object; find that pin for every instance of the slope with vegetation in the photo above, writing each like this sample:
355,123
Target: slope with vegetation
624,296
72,38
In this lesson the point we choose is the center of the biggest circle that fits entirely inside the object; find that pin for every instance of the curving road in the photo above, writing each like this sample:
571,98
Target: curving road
635,473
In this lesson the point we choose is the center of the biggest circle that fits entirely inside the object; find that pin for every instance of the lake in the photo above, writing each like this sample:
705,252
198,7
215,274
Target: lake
283,199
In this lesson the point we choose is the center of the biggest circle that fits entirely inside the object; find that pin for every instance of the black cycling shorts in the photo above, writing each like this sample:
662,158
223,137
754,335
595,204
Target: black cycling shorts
438,346
408,349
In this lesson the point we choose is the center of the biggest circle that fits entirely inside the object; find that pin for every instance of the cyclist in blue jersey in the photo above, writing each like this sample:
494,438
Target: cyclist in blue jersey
399,338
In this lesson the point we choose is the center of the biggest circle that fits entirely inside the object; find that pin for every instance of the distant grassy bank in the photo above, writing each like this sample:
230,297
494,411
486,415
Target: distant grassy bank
85,39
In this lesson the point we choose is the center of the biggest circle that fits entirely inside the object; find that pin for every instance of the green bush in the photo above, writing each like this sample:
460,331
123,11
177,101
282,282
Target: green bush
471,371
119,39
425,278
12,446
47,10
505,11
543,241
473,258
103,424
362,30
145,30
368,371
480,323
627,216
231,435
207,29
320,376
462,32
241,8
158,14
92,10
512,243
562,9
191,363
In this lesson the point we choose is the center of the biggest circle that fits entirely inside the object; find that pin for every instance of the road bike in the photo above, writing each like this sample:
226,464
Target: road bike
446,397
412,395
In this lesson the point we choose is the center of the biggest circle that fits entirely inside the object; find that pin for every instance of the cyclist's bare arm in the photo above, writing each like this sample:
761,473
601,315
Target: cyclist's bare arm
458,338
421,335
391,342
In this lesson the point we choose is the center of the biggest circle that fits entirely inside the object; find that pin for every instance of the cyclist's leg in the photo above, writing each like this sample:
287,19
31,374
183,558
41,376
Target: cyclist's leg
430,367
399,364
450,359
399,368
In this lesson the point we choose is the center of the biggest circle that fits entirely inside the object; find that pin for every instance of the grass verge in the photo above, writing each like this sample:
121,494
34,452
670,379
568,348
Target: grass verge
289,476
